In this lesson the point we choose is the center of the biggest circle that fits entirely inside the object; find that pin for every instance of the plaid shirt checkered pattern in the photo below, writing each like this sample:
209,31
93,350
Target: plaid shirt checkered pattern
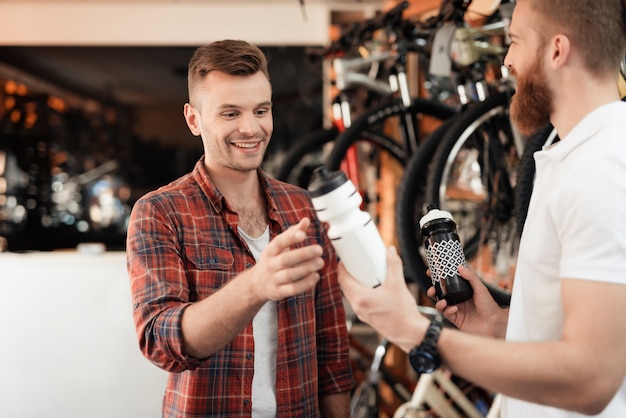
182,246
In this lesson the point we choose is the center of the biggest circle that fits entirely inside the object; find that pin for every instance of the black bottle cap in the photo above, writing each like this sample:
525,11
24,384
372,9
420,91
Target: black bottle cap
324,181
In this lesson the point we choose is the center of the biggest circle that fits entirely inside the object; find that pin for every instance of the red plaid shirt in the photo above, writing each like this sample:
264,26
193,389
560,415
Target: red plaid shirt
182,246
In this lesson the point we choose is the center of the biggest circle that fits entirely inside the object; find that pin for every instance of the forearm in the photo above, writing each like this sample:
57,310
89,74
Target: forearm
558,373
335,405
210,324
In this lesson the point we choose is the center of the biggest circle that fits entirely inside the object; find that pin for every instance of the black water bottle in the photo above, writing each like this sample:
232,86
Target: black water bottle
444,255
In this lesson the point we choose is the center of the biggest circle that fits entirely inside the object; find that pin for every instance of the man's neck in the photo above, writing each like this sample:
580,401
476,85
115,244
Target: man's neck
578,99
237,186
242,190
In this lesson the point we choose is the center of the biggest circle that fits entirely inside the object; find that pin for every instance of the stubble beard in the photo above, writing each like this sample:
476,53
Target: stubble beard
531,104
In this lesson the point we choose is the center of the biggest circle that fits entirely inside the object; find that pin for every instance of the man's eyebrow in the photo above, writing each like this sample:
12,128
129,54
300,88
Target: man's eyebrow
233,106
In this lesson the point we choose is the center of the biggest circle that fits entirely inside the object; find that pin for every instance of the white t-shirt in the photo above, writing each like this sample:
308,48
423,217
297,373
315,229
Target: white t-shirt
265,331
576,228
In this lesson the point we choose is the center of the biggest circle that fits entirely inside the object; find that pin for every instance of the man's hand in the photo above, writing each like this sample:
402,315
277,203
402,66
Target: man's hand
479,315
390,308
283,271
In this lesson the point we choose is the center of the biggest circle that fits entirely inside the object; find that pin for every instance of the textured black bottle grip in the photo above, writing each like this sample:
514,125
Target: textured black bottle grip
444,254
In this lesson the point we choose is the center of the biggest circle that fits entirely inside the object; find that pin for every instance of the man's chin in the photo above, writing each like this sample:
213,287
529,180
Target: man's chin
527,129
527,123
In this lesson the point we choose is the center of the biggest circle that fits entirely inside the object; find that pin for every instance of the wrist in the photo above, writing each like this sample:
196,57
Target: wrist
412,333
425,358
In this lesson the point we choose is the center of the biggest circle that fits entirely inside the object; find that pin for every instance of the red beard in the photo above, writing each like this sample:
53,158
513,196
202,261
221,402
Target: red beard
532,102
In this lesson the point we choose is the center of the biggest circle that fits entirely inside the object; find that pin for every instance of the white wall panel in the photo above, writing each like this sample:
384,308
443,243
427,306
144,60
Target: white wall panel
68,344
114,24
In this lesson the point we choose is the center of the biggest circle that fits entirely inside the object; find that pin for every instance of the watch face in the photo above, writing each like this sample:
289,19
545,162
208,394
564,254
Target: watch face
423,361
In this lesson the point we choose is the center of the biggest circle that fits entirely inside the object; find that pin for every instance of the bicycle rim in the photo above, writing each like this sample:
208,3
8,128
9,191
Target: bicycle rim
473,177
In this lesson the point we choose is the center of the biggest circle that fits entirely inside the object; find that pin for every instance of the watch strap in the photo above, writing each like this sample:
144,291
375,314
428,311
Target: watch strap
432,334
424,358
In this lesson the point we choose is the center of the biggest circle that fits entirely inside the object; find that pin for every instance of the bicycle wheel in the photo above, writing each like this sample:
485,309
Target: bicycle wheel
411,206
304,156
373,127
309,153
385,134
473,177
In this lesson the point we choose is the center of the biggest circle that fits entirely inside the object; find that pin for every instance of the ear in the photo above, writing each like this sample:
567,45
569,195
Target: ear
192,119
561,50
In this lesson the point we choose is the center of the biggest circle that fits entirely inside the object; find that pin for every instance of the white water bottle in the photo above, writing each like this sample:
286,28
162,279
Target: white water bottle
352,231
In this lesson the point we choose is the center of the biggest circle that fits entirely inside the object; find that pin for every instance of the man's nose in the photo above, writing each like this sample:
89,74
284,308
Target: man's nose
508,61
248,124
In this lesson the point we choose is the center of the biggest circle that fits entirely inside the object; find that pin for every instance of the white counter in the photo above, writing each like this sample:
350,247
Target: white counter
67,340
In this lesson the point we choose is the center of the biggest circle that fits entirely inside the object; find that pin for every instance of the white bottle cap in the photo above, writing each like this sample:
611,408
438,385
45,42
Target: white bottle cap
435,214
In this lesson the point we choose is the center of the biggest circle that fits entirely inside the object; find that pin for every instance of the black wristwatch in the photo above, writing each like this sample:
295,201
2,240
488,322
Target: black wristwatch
424,358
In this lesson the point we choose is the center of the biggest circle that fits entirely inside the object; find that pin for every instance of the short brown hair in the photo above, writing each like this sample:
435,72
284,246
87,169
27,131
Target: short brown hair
596,27
229,56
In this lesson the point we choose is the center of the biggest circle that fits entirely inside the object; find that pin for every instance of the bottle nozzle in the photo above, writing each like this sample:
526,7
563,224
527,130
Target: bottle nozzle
320,172
324,181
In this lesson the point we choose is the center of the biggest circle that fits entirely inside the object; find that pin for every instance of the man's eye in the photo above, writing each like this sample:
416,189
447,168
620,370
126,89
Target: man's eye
230,114
262,112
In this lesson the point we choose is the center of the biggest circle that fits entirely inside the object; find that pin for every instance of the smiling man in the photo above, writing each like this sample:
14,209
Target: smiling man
233,280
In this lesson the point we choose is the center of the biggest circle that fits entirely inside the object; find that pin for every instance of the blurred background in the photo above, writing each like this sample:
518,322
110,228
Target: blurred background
91,98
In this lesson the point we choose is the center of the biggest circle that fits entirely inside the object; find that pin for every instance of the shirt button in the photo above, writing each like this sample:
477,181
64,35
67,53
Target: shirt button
249,356
246,402
248,265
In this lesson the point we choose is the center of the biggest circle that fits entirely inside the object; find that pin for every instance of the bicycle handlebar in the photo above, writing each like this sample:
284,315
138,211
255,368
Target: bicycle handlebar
361,32
393,22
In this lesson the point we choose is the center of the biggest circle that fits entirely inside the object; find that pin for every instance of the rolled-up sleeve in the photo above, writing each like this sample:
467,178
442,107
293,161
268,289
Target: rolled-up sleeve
159,290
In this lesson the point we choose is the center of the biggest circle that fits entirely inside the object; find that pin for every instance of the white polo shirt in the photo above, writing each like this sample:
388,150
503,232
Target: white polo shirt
576,228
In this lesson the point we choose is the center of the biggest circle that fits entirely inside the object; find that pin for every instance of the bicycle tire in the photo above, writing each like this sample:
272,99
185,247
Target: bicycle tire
308,153
304,156
526,172
370,127
484,181
411,206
